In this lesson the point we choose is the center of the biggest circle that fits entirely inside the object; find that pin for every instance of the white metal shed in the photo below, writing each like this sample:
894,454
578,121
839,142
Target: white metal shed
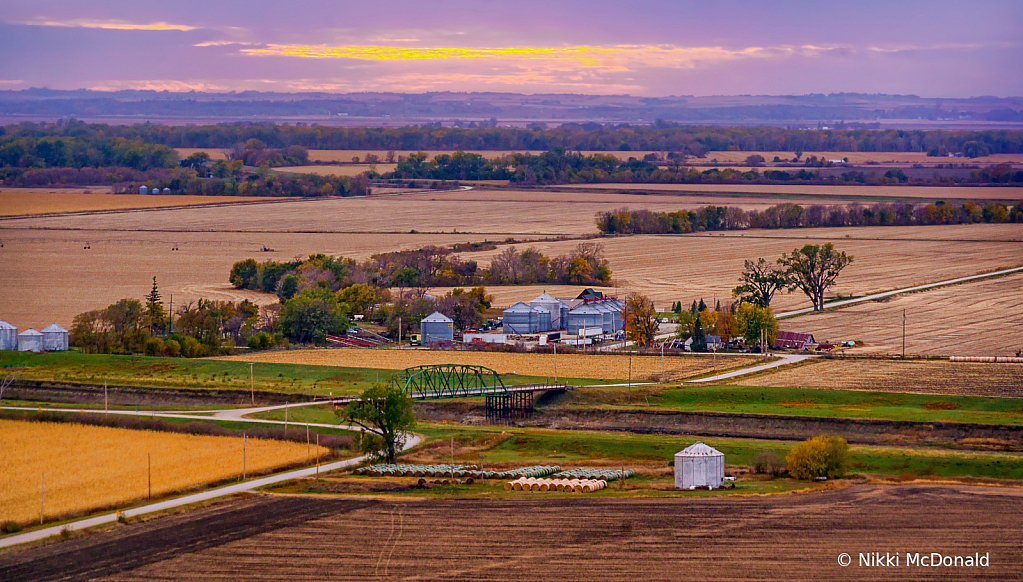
699,465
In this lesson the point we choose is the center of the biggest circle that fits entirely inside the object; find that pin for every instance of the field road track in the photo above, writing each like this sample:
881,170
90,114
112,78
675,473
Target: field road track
785,360
195,497
875,296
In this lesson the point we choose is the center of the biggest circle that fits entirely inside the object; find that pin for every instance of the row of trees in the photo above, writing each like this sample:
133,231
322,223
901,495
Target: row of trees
78,152
429,266
662,136
788,215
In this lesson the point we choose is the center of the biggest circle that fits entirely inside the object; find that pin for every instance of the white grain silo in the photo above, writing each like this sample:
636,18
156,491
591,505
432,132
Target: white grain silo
551,304
55,338
8,336
437,328
699,466
155,191
30,340
143,190
521,319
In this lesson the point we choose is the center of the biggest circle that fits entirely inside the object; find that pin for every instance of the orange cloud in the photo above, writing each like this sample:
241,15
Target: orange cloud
111,25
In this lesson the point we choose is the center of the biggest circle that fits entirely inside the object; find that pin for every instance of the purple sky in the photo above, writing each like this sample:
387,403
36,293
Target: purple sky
678,47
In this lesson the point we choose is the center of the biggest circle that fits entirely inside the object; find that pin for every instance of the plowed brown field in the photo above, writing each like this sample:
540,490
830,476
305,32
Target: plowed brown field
26,201
923,192
919,376
935,326
778,537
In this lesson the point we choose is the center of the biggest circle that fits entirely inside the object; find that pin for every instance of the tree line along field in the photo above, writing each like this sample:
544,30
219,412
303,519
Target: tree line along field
978,318
722,157
913,376
593,366
29,201
92,467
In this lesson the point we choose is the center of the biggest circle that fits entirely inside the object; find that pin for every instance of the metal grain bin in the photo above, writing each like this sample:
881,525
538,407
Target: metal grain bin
543,319
699,465
143,190
582,317
8,336
437,328
30,340
55,338
521,318
553,306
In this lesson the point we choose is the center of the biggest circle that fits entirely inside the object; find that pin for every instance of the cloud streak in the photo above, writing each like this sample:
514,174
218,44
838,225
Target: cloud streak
111,25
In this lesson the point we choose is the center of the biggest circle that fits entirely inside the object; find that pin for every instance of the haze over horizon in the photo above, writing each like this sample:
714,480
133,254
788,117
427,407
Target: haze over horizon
938,49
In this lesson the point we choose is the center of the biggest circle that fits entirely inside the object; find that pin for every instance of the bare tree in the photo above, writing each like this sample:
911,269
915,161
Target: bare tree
7,381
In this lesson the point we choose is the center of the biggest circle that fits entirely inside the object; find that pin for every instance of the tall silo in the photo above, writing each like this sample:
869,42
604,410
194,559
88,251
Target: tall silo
55,338
618,318
552,305
143,190
8,336
520,318
437,328
606,319
30,340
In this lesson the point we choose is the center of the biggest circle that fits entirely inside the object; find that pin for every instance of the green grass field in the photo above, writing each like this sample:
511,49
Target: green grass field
118,370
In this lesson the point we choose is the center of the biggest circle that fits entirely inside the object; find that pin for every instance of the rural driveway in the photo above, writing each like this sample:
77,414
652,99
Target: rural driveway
785,359
188,499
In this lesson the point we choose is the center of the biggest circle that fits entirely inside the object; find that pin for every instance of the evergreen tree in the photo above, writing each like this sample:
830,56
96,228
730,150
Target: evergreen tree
693,308
703,306
154,309
699,337
717,307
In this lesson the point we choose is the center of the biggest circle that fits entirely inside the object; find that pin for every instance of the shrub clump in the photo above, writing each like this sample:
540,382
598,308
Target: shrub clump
821,456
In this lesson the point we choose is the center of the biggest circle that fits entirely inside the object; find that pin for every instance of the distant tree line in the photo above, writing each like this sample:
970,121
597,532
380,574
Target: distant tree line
789,215
661,136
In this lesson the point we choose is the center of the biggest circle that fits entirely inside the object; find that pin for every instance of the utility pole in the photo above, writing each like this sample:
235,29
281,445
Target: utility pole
630,376
106,406
149,462
662,361
244,442
42,498
452,459
171,313
308,451
399,332
285,418
555,362
252,385
903,334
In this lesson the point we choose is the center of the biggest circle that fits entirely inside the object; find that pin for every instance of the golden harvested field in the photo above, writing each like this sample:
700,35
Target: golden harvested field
923,377
346,170
494,212
922,192
671,268
595,366
91,467
51,277
24,201
934,321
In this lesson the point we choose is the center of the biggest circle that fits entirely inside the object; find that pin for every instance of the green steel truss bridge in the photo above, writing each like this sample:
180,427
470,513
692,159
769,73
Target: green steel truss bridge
503,403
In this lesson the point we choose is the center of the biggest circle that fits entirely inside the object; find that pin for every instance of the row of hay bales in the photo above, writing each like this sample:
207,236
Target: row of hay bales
565,485
457,471
596,474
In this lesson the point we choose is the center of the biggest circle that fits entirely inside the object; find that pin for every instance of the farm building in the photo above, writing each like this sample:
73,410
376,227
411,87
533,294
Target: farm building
8,336
55,338
714,343
553,306
589,294
793,340
30,340
585,316
699,465
521,319
437,327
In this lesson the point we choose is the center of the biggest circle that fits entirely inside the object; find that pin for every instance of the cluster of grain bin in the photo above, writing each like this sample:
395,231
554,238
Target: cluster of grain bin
523,318
547,313
605,314
53,338
699,465
437,327
144,190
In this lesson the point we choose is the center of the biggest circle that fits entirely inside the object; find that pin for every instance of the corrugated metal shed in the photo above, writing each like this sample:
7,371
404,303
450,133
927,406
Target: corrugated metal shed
699,465
30,340
55,338
793,339
437,327
8,336
521,318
